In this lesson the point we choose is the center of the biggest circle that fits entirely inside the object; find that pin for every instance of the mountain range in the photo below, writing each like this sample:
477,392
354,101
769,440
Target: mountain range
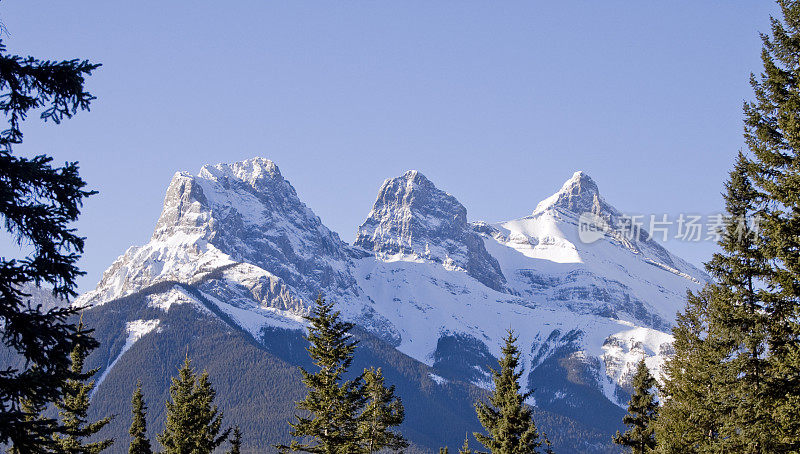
236,258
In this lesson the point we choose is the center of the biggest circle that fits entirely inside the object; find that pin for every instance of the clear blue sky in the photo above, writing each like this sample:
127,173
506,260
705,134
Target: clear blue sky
496,102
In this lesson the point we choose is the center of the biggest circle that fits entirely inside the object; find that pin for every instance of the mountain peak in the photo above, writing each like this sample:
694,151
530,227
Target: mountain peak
405,204
242,214
253,171
578,194
414,178
413,218
579,176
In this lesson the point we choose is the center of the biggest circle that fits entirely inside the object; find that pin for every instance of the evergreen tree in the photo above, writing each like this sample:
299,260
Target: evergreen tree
548,447
332,403
383,411
465,447
694,394
345,416
734,384
772,123
236,441
713,393
740,269
507,420
73,409
194,424
642,411
739,319
140,444
33,413
38,203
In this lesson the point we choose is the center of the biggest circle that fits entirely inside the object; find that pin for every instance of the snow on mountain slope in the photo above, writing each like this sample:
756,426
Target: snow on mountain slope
426,302
616,292
237,241
622,275
135,330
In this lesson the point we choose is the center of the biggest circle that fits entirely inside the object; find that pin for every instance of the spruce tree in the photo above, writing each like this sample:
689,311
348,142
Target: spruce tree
344,416
73,408
465,447
739,319
772,122
734,384
38,204
140,444
642,411
236,441
507,420
548,447
714,386
382,412
696,379
332,403
194,424
33,413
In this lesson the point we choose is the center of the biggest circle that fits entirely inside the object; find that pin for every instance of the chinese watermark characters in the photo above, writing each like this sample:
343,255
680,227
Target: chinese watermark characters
663,227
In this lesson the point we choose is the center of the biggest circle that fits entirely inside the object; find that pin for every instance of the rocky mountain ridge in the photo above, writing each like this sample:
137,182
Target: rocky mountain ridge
236,243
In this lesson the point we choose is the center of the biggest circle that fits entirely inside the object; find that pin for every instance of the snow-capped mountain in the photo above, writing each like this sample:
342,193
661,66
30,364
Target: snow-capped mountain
237,243
247,220
624,275
604,304
412,219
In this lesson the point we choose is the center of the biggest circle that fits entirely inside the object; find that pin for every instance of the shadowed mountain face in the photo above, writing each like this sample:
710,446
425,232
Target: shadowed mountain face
236,259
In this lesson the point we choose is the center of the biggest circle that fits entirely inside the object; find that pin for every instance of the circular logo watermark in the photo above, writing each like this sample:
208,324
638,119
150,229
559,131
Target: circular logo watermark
591,227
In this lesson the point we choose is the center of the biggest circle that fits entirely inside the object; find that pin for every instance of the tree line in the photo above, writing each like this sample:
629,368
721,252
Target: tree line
732,385
359,415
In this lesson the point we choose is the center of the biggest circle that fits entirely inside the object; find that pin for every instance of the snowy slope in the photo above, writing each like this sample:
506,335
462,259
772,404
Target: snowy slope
634,279
236,240
618,296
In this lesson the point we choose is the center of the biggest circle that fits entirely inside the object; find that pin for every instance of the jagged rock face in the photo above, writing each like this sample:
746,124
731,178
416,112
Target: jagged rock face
235,241
257,218
411,217
244,212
